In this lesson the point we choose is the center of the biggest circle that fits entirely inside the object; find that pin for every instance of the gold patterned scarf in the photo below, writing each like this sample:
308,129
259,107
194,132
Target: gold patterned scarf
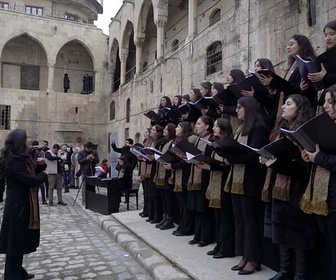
213,192
235,184
314,200
34,210
145,168
280,188
195,178
159,178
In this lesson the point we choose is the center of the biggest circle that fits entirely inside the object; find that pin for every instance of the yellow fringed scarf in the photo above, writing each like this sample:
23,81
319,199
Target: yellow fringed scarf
213,192
195,178
314,200
235,184
159,178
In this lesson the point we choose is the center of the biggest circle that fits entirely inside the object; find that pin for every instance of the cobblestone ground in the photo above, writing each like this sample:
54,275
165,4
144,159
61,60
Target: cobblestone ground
74,247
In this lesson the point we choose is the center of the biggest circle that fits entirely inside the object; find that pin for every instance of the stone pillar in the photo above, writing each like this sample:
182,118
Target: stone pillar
138,66
97,82
0,73
192,10
160,24
51,74
123,58
111,71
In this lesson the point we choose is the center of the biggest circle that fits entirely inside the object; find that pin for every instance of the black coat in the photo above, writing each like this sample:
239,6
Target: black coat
294,87
254,175
291,227
328,59
15,238
328,162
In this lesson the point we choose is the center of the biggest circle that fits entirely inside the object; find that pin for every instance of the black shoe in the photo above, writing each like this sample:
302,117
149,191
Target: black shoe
141,213
168,223
174,232
148,220
179,234
66,191
44,202
253,267
51,204
161,222
155,221
29,276
281,276
203,244
192,242
218,256
212,253
62,203
239,266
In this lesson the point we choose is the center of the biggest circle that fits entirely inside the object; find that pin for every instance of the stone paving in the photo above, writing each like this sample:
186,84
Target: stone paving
74,247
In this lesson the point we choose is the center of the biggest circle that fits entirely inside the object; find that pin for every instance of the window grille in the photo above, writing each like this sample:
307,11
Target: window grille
32,10
214,58
5,117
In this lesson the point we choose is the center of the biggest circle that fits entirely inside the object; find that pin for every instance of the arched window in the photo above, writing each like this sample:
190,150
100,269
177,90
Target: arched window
175,45
128,110
112,111
214,58
214,17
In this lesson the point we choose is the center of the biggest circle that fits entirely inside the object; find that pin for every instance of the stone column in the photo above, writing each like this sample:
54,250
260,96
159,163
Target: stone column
111,71
97,82
138,66
0,73
51,74
123,58
160,24
192,10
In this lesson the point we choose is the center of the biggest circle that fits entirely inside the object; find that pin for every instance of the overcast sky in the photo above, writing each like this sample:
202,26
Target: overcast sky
111,7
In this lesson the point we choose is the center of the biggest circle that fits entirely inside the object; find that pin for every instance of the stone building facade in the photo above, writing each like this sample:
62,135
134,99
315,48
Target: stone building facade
154,48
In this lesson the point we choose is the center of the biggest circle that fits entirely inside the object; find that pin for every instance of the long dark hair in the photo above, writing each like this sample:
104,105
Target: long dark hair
171,131
218,86
237,76
207,86
225,128
125,165
197,93
168,102
265,63
186,129
331,25
304,113
15,143
159,131
252,114
147,141
306,48
207,121
179,97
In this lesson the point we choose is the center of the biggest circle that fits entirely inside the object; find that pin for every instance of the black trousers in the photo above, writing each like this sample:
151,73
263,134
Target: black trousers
327,226
204,229
248,226
186,217
13,268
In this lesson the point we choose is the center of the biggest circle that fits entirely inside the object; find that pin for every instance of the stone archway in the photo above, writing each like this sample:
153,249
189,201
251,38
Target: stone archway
24,64
129,47
115,65
75,59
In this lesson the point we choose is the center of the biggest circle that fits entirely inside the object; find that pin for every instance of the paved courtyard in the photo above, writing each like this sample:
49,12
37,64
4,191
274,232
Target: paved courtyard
74,247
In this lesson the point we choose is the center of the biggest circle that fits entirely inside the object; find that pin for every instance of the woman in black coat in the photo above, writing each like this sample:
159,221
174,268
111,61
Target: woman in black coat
297,45
327,75
320,196
245,183
285,183
20,230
